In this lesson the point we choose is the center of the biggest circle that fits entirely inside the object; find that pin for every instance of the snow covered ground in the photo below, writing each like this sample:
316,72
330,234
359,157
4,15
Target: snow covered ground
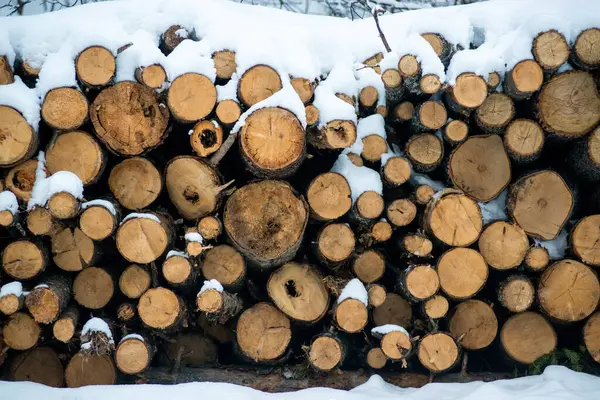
556,383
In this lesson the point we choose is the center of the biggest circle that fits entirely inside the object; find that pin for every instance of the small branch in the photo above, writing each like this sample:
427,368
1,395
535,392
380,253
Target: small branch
216,158
376,12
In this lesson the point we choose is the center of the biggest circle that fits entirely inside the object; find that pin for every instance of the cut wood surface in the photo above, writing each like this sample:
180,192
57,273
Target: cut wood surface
527,336
95,66
258,83
191,97
135,183
77,152
329,196
438,352
524,140
584,240
19,140
263,333
503,245
462,272
65,108
474,324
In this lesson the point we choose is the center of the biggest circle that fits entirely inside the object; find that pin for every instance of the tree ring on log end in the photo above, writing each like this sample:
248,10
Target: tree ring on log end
454,219
591,336
527,336
263,333
584,240
141,240
132,356
351,315
462,272
95,66
438,351
84,370
503,245
470,90
159,308
258,83
65,108
17,138
329,196
325,353
191,97
474,324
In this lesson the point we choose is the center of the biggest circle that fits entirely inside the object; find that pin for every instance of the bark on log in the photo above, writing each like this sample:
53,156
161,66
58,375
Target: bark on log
572,279
419,283
550,50
299,292
84,370
425,151
334,244
394,88
495,113
135,183
591,336
20,179
49,299
516,293
21,332
257,83
218,306
527,336
126,312
468,93
161,309
540,203
65,108
64,327
394,310
135,281
438,352
174,35
95,67
134,354
369,266
19,141
584,157
191,97
329,196
226,265
265,221
24,259
337,134
206,137
585,54
93,288
40,365
129,107
272,143
524,140
144,240
351,315
474,324
462,272
503,245
443,49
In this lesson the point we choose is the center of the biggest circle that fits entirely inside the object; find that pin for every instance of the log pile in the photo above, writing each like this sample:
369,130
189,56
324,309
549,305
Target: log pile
252,245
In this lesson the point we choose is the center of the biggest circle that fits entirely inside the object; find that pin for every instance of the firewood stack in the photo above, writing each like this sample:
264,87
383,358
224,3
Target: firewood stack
426,226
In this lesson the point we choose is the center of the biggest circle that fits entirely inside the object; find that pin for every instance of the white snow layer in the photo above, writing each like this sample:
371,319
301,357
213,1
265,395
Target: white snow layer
22,99
132,336
360,179
176,253
371,125
194,237
229,90
143,52
555,383
141,215
417,179
57,71
97,325
100,203
556,247
8,202
494,210
13,288
212,284
354,290
190,56
379,331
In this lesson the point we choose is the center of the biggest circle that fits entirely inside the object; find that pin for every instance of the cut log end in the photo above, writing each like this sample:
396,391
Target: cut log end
550,50
369,266
154,76
493,81
93,288
40,365
329,196
63,205
84,370
454,219
401,212
335,243
142,240
462,272
95,66
126,312
20,179
396,171
351,315
40,222
395,310
225,264
64,327
438,352
18,140
430,84
97,222
591,336
368,97
24,259
225,64
420,282
424,194
73,250
503,245
584,240
474,324
381,231
409,66
495,113
160,308
337,134
404,111
177,270
456,132
191,97
376,295
65,108
524,140
436,307
470,91
134,281
417,245
537,258
21,332
374,146
516,293
396,345
586,53
430,116
326,353
77,152
46,302
7,218
10,304
304,88
133,355
391,78
523,80
263,333
135,183
174,35
312,115
6,74
376,359
527,336
210,227
369,205
206,138
425,151
569,291
258,83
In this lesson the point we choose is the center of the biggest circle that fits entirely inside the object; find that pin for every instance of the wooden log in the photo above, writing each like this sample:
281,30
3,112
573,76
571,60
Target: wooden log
355,159
78,152
351,315
474,324
577,282
93,288
394,89
425,152
190,348
63,205
265,221
419,282
477,156
20,179
72,250
174,35
424,194
376,294
376,359
395,310
126,312
263,333
41,223
369,266
584,157
438,352
228,112
584,240
374,147
49,299
21,332
495,113
194,186
65,108
272,143
516,293
24,259
503,245
304,88
443,49
328,196
380,231
468,93
129,107
134,281
226,265
95,66
6,73
8,217
11,300
312,116
540,203
493,81
374,61
85,370
367,207
40,365
135,183
367,99
19,140
396,345
154,76
64,327
257,83
537,258
527,336
334,244
462,272
395,171
144,237
591,336
429,116
97,220
416,245
403,112
436,307
191,97
550,49
218,306
210,227
206,137
326,352
134,354
337,134
161,309
299,292
566,113
523,140
225,65
429,84
179,272
453,218
401,212
584,54
455,132
523,80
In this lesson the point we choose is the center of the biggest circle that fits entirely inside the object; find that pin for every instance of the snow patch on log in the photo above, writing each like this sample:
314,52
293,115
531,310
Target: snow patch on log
494,210
96,325
380,331
212,284
22,99
143,52
141,215
12,288
132,336
556,247
366,76
229,90
176,253
8,202
190,56
354,290
416,46
58,71
102,203
421,179
194,237
6,49
360,179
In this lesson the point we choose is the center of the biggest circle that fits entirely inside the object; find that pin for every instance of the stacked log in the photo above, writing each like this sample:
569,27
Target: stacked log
424,242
